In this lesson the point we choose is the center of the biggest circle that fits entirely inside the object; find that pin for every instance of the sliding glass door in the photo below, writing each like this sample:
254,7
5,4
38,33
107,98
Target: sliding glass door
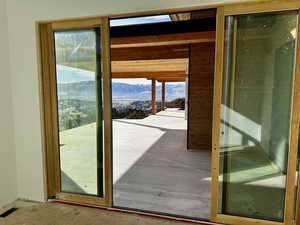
79,97
76,79
255,150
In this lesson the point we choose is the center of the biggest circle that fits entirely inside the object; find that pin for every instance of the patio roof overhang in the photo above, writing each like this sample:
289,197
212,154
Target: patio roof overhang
158,69
160,57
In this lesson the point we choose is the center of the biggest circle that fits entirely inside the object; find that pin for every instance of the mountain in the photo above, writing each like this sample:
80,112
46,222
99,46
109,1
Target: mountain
80,84
143,91
85,90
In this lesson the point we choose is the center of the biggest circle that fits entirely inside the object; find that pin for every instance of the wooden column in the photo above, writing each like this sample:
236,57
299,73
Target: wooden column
163,96
153,99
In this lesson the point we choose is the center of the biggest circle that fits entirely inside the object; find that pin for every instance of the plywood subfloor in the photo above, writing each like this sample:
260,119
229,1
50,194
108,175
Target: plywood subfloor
61,214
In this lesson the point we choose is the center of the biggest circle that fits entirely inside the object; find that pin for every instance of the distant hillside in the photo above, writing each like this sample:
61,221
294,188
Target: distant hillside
143,91
85,90
80,85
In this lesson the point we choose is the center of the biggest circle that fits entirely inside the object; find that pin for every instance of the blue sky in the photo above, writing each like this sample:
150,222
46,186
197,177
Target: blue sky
140,20
68,74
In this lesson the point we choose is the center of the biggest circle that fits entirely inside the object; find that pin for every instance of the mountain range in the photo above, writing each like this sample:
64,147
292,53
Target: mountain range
80,84
143,91
85,90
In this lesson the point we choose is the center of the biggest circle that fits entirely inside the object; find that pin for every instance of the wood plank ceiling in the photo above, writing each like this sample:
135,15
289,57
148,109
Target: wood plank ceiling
163,57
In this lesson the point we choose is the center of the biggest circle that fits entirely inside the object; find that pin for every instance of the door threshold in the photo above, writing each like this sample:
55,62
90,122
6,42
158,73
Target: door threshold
136,212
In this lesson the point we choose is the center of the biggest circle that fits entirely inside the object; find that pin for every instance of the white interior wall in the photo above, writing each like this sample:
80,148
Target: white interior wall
8,180
22,16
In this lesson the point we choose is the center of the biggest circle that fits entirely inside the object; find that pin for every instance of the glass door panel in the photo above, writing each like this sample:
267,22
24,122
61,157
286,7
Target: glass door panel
257,88
79,98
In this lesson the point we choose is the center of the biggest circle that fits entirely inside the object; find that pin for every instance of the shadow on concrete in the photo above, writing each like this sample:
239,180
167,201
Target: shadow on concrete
142,125
69,185
180,117
167,178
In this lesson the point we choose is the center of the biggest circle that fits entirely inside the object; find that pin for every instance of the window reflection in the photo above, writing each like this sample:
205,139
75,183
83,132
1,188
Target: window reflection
255,113
79,94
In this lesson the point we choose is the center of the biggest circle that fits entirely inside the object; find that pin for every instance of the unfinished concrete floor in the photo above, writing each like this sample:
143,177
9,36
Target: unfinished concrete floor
61,214
153,170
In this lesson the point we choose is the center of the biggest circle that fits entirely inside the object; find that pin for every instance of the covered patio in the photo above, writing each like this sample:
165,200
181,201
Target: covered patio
156,172
157,52
152,167
153,173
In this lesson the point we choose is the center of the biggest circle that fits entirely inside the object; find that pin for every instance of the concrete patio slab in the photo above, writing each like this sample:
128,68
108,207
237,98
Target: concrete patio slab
152,169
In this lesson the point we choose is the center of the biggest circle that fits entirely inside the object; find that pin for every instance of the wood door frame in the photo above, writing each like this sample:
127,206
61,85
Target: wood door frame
50,108
251,8
49,104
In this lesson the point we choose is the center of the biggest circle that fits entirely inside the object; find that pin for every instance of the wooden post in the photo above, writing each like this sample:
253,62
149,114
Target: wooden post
163,96
153,99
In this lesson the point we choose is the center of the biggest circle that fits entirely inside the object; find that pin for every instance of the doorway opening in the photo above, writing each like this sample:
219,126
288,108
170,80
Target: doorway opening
162,93
255,126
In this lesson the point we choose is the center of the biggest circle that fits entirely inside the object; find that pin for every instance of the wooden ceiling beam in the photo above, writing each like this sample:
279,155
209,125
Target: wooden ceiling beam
181,77
172,80
150,53
150,65
163,39
149,75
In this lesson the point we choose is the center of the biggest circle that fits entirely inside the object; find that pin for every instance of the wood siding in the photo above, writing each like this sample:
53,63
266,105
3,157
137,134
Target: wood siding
201,81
